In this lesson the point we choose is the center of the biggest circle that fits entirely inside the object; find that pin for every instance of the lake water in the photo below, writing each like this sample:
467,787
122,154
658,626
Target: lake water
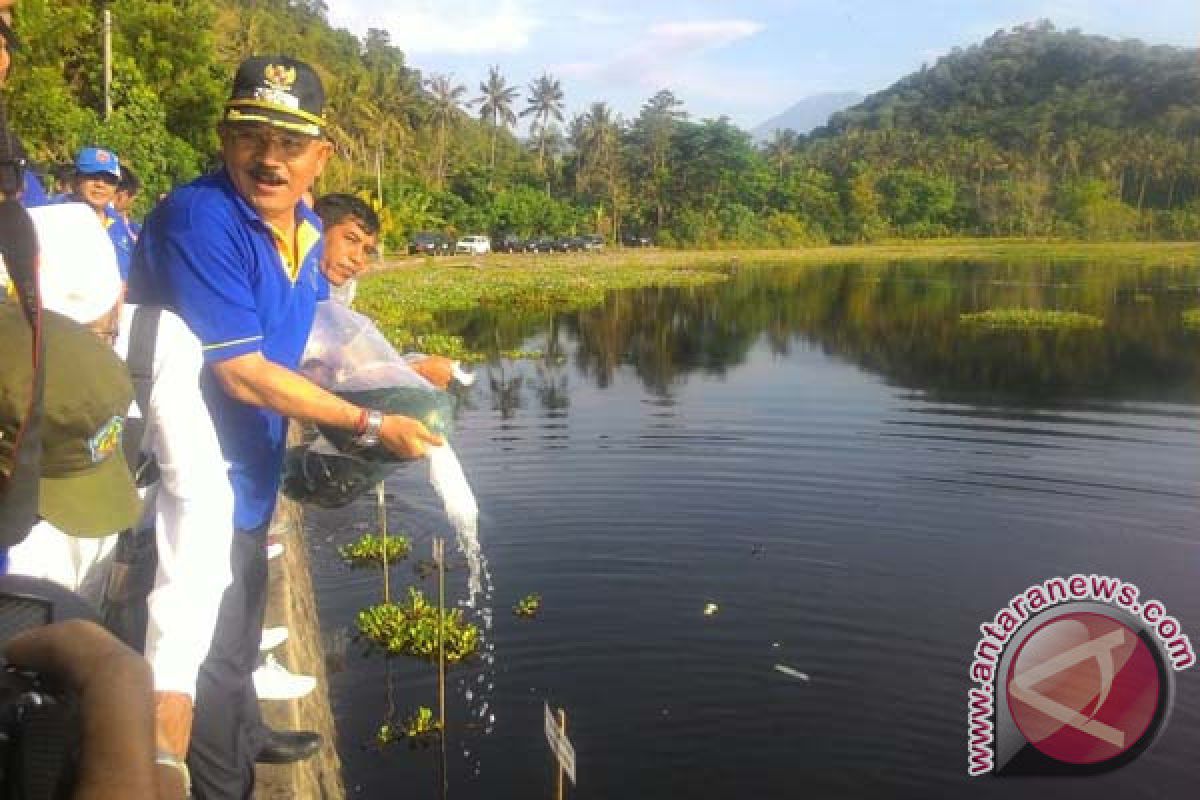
854,479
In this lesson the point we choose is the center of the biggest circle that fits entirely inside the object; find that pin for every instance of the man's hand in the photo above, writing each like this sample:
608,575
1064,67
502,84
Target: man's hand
407,437
438,370
115,705
172,723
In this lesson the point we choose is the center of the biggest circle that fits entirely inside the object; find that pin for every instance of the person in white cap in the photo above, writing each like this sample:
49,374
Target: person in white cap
190,508
71,234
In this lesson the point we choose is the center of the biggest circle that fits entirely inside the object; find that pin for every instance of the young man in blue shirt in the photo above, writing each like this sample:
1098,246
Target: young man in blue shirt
236,255
127,192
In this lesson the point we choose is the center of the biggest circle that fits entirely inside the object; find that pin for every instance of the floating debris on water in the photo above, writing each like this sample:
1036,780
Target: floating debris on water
710,609
792,673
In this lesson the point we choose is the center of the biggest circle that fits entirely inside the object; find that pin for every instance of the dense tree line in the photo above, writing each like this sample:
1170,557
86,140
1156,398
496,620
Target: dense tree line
1032,132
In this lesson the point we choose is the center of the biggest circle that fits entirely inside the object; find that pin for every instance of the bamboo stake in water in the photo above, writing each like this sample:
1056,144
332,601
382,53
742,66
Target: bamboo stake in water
383,534
561,785
439,555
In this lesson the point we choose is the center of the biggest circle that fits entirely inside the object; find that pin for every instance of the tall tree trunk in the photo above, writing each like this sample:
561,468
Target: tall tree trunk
542,146
442,155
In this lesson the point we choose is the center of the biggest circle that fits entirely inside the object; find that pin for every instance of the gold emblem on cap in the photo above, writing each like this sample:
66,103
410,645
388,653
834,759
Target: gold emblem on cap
279,77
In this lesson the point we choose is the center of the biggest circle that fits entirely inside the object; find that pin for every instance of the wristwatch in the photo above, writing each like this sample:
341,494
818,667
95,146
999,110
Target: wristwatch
370,435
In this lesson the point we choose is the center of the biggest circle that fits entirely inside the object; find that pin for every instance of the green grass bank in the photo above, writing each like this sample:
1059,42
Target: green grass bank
405,295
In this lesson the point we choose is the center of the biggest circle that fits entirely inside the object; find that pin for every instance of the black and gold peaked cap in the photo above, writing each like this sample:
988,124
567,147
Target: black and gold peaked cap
280,91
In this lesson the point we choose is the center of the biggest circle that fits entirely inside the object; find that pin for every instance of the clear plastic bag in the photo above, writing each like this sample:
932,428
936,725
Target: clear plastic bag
346,354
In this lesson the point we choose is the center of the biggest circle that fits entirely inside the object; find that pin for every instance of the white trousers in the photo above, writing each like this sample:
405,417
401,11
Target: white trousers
81,565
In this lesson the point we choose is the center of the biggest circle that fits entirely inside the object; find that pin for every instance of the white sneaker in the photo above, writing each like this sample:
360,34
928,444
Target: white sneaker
272,638
272,681
274,550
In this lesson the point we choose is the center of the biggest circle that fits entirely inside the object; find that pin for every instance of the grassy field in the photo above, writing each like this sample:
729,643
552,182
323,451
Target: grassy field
405,294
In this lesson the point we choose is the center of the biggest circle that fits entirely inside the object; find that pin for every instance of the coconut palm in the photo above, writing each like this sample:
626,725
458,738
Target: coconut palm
545,104
496,105
597,137
447,101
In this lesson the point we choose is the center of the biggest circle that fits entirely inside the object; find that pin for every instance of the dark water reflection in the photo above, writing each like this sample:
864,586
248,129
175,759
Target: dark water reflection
856,481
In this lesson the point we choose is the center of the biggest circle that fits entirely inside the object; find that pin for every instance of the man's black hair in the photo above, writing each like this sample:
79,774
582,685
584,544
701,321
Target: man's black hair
333,208
129,182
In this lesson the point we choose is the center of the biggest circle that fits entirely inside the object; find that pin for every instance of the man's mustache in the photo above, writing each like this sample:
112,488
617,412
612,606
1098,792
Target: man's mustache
266,175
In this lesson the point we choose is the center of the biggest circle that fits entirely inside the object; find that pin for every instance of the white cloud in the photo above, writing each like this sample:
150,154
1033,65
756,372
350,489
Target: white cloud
591,16
702,35
663,51
460,27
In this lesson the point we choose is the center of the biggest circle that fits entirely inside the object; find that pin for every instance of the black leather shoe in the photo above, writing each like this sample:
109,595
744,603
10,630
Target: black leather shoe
286,747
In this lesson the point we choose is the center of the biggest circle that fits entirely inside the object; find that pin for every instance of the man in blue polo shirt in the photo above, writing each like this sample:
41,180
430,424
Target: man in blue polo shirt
236,255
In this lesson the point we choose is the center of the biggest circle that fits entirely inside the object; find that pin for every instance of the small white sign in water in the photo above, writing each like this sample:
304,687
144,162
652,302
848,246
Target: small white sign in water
560,745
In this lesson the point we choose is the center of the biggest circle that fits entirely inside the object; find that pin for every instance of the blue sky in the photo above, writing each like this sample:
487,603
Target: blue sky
748,60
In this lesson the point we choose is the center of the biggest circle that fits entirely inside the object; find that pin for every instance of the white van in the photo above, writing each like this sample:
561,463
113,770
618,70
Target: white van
476,245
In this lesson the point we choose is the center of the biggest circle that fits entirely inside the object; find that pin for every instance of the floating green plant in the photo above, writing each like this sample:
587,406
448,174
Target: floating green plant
1031,319
529,606
1191,319
421,724
419,729
444,344
411,629
371,549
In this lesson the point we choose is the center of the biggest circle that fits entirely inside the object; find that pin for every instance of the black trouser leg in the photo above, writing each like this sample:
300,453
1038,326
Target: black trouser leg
227,726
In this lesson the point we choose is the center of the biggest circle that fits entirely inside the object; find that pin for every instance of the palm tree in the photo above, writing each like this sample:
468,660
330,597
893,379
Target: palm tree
495,103
447,99
597,136
545,103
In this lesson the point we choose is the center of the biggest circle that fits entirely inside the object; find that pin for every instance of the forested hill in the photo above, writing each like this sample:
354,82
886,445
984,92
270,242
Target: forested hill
1019,84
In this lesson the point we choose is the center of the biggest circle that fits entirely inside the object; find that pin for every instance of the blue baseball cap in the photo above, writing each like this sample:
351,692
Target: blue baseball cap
95,160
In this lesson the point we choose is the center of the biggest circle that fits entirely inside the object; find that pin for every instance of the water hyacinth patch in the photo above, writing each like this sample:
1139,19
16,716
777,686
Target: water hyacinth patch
529,606
370,549
411,629
420,728
1031,319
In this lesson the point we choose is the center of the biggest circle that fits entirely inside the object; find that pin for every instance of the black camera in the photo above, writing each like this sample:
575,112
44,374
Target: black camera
40,735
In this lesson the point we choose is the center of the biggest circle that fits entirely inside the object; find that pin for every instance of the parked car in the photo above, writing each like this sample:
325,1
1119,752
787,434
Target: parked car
569,244
477,244
510,243
593,241
428,244
540,244
634,240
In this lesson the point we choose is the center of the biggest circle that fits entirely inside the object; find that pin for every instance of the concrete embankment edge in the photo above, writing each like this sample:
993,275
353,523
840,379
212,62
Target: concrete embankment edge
292,602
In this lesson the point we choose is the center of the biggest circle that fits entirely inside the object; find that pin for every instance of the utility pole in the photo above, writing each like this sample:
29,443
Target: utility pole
107,64
379,171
